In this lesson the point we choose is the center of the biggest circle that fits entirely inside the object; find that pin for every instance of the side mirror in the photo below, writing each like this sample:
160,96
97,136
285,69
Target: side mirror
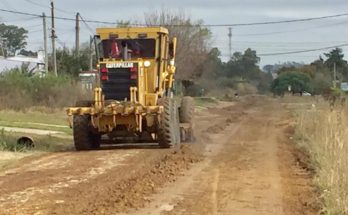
96,40
172,48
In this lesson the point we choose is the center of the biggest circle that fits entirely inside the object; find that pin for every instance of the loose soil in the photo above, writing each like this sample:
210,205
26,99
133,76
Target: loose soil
243,162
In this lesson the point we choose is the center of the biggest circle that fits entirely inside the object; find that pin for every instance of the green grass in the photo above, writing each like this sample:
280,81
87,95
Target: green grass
54,121
55,117
8,142
11,152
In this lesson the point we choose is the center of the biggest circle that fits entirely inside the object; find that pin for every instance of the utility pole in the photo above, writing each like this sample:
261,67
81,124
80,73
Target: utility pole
334,78
91,54
2,43
53,36
230,42
77,39
45,40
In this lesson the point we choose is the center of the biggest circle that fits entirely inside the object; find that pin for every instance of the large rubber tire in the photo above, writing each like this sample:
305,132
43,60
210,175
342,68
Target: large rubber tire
187,109
84,139
168,132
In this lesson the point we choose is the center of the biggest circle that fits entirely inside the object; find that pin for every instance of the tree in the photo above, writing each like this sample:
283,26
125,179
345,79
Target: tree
69,63
123,24
210,70
336,56
28,53
243,65
321,83
15,38
264,82
193,41
298,81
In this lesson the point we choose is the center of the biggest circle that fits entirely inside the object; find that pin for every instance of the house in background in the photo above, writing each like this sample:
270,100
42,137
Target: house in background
35,65
88,79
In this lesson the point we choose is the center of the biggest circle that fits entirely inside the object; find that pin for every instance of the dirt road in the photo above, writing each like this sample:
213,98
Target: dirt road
243,163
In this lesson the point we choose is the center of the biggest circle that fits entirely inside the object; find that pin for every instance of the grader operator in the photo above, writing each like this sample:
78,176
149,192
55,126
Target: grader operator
133,97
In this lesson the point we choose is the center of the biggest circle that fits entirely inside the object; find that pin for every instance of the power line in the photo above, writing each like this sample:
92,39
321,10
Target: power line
181,25
290,43
86,24
37,4
45,6
278,22
21,13
303,51
21,20
6,4
35,31
302,56
32,26
291,31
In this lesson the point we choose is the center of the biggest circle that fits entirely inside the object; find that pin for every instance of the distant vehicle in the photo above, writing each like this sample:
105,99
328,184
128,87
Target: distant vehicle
304,93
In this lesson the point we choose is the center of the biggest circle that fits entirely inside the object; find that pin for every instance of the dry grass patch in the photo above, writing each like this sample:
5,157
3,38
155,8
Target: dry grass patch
323,132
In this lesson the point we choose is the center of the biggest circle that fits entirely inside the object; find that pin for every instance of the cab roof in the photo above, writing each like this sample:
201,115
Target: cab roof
132,30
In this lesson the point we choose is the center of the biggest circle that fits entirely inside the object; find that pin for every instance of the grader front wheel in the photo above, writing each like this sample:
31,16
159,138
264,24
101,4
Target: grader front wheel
168,133
186,116
84,139
187,109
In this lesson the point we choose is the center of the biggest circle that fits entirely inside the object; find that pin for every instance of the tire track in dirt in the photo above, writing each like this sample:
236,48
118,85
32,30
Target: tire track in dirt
246,169
211,124
256,168
69,182
39,178
215,187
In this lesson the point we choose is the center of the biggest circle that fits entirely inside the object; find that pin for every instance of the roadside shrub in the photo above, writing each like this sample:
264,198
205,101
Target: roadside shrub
195,90
227,82
19,91
246,88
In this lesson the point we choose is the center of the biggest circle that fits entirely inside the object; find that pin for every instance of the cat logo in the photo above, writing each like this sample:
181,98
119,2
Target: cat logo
119,65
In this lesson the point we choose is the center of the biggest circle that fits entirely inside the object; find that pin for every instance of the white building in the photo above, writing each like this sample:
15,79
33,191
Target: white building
35,65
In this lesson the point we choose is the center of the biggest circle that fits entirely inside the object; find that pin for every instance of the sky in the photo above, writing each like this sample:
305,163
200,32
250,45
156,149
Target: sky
264,39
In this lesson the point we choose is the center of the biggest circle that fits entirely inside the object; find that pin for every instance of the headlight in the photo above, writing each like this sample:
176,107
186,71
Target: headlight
147,63
172,62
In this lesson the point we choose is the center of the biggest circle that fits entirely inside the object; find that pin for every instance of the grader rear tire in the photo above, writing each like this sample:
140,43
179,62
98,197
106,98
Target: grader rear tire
168,129
186,109
84,139
186,116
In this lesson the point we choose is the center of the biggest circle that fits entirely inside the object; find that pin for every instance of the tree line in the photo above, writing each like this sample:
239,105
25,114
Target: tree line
316,78
200,69
199,65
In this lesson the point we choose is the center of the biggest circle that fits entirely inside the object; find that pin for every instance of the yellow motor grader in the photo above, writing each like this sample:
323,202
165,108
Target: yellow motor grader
133,97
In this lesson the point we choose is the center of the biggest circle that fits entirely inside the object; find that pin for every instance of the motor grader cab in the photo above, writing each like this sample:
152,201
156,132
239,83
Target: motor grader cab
134,93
